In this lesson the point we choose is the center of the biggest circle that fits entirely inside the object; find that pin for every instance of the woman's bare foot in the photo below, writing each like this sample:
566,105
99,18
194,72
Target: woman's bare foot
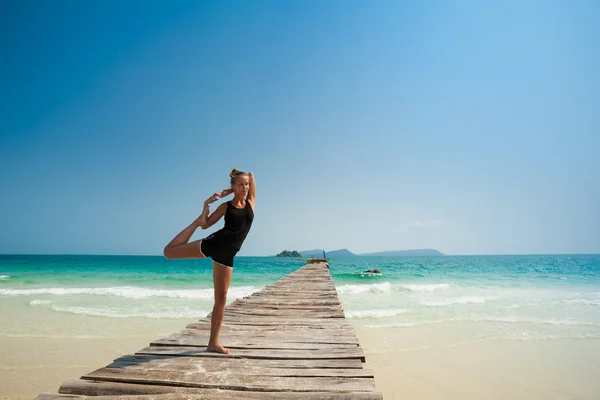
217,348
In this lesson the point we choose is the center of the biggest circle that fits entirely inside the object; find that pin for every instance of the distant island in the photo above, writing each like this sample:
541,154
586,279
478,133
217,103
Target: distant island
347,253
287,253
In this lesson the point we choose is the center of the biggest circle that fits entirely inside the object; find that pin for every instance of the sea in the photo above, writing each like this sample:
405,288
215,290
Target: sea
529,297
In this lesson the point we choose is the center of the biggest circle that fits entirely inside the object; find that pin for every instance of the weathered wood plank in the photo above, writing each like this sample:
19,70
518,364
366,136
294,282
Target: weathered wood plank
233,381
290,336
229,340
249,309
323,323
98,388
258,301
300,320
284,313
282,306
316,329
241,362
247,343
298,290
296,295
167,396
240,369
275,354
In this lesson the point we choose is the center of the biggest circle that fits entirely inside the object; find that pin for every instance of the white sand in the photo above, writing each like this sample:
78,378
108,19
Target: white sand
489,369
441,362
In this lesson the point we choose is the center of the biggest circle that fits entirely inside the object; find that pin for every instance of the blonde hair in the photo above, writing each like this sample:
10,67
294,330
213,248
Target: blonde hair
236,173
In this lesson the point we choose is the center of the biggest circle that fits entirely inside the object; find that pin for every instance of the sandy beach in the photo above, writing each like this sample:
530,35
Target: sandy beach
494,369
416,363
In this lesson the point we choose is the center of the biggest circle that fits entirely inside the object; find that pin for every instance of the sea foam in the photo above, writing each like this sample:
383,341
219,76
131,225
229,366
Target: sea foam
374,313
456,300
38,302
132,292
483,318
387,287
120,313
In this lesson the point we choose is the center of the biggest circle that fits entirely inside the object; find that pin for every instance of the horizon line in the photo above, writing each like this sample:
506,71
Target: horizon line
275,256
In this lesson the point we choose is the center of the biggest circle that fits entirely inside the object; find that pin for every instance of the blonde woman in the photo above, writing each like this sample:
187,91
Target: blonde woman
221,246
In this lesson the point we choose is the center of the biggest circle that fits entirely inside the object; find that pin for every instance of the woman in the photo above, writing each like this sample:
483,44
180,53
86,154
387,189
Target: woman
222,245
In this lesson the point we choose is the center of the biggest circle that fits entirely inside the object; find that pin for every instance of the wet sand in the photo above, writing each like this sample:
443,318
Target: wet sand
409,363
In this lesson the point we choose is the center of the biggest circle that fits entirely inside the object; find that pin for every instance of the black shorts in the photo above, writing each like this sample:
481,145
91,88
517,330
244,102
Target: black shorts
220,248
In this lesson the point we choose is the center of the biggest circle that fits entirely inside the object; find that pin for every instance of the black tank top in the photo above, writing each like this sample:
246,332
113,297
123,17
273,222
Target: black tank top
238,221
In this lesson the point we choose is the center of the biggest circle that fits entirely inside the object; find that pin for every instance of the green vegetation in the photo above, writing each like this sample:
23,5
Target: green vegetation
287,253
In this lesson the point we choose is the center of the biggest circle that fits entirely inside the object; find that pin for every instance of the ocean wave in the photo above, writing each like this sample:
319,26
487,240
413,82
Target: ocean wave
384,287
374,313
572,302
358,275
132,292
436,287
4,277
583,302
456,300
38,302
506,319
119,313
387,287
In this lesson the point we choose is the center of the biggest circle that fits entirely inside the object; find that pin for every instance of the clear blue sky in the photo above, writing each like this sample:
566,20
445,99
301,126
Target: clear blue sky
464,126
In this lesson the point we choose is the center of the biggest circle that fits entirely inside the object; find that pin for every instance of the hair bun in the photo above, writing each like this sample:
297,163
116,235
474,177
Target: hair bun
234,173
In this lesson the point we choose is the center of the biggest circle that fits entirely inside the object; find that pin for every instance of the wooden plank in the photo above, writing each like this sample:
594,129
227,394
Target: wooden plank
258,301
299,290
330,323
99,388
248,343
300,312
233,327
302,336
166,396
283,313
229,340
275,292
240,369
285,306
233,381
206,362
196,327
306,354
305,285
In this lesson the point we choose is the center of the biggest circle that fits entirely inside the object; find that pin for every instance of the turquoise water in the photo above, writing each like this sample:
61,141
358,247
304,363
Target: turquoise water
523,297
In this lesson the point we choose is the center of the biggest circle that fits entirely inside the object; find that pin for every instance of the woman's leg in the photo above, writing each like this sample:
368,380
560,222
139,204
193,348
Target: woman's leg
221,279
179,246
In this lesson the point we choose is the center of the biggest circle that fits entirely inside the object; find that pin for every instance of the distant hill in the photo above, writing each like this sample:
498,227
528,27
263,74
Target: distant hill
315,253
329,254
339,253
347,253
420,252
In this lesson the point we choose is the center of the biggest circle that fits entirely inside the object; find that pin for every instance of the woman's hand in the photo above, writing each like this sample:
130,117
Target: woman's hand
212,199
226,192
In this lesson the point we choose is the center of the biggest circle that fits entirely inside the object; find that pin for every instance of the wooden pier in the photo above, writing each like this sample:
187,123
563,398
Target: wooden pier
287,341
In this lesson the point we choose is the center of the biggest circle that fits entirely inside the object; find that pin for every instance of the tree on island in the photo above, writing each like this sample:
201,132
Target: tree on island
287,253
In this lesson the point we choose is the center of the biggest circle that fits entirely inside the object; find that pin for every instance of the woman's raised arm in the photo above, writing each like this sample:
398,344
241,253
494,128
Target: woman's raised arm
252,189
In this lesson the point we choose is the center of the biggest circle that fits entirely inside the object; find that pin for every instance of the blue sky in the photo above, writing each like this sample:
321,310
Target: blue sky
463,126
